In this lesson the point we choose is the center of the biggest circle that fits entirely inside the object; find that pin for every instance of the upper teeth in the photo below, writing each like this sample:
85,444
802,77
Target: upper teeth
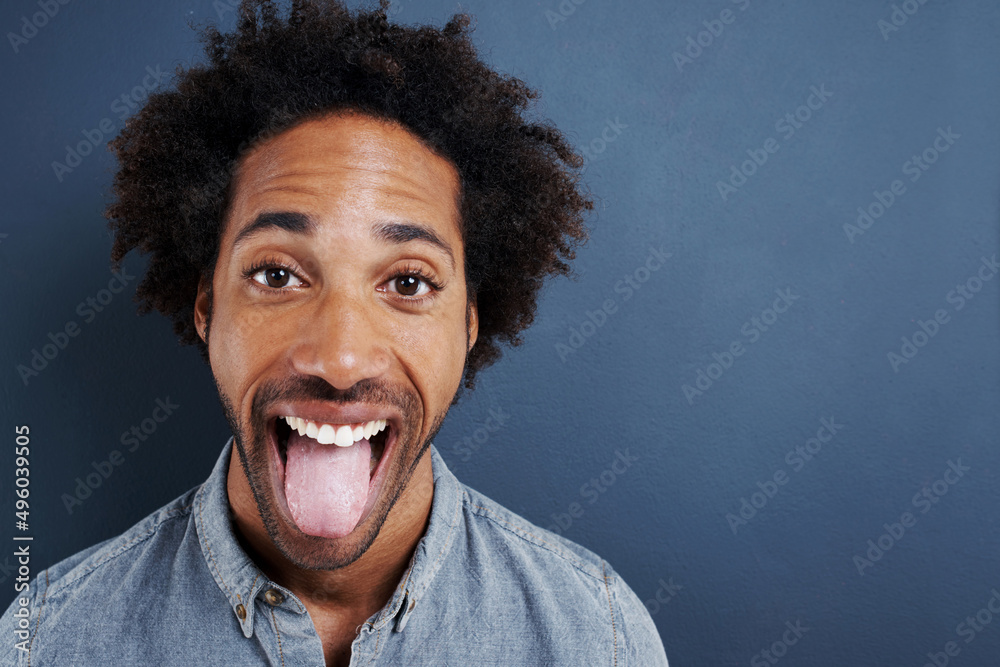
342,435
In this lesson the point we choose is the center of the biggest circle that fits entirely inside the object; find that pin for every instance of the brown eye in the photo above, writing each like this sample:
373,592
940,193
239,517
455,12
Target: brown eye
411,284
407,285
276,277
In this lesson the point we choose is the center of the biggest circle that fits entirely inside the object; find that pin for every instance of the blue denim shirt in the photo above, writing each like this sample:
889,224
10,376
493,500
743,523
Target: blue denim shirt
484,587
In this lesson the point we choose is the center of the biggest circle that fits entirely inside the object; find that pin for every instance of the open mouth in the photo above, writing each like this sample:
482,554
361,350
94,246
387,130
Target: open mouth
376,432
329,475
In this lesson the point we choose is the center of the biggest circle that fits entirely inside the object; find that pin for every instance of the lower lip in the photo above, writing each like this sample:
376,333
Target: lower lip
374,483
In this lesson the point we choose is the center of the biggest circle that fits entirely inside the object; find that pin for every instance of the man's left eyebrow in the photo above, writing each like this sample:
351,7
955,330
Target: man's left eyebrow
404,232
299,223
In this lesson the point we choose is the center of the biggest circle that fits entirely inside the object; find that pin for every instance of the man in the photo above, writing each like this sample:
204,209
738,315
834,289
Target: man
348,217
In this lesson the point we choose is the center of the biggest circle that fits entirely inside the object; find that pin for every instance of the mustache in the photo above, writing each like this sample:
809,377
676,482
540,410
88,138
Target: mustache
300,388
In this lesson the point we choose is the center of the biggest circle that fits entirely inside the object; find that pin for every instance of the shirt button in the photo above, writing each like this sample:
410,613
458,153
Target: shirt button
274,597
241,611
413,603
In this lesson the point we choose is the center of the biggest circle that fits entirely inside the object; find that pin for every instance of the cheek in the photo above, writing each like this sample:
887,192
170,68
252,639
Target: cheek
239,344
435,353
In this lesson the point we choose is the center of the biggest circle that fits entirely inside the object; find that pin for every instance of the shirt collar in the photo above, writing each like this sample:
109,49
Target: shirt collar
433,547
241,581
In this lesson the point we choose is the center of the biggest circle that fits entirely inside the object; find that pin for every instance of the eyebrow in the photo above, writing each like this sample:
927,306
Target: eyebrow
404,232
396,233
300,223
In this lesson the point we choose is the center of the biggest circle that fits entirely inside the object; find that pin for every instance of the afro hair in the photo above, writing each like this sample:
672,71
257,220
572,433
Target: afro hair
521,210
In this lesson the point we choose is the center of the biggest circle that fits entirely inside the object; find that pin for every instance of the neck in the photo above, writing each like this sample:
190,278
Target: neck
356,590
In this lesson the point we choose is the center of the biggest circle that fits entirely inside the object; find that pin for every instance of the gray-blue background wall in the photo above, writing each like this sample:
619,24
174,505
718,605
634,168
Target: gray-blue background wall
808,392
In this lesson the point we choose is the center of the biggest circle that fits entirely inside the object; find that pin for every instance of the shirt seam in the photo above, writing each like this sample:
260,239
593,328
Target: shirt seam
451,531
433,568
402,586
203,534
121,550
38,621
277,632
537,541
250,598
611,608
378,637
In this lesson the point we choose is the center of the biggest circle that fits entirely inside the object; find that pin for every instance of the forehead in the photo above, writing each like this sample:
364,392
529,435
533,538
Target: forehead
345,168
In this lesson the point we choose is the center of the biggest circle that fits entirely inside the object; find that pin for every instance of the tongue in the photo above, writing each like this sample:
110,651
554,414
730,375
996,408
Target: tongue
326,486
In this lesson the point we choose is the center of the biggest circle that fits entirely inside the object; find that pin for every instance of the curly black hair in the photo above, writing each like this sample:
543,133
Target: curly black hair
522,207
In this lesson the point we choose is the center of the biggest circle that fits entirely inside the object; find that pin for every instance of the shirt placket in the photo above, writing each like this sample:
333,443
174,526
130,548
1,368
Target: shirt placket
283,628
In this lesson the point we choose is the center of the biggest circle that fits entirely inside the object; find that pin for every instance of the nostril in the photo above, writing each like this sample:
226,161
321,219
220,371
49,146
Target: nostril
341,358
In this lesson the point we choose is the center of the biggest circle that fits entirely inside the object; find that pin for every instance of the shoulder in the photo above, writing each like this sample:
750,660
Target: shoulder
529,541
562,576
155,534
99,578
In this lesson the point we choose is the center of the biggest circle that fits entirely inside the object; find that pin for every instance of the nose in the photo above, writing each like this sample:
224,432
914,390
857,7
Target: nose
340,340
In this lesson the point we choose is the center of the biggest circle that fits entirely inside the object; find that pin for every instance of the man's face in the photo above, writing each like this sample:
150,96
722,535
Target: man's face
338,302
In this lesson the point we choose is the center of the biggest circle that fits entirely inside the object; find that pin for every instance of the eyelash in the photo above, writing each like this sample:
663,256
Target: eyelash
257,267
407,270
417,272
